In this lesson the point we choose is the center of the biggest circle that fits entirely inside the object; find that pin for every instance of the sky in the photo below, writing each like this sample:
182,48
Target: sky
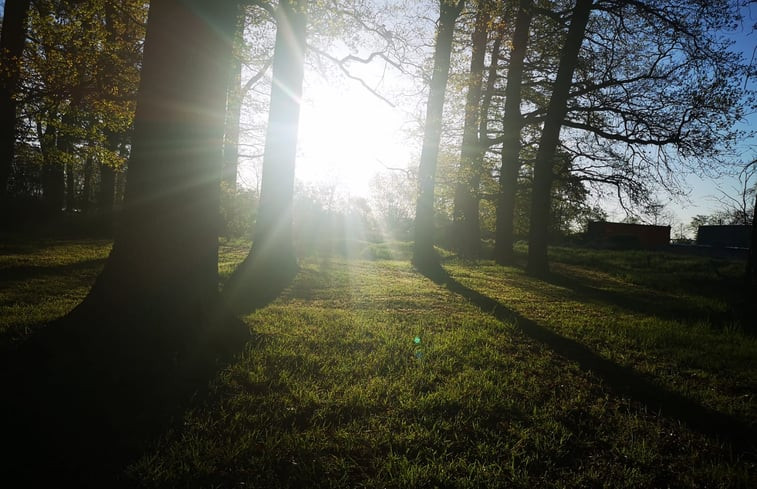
348,134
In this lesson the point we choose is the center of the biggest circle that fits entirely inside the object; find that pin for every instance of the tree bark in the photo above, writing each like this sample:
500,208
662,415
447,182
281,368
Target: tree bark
424,255
538,263
53,177
511,128
272,262
86,193
106,192
70,200
12,43
165,252
91,389
466,200
752,267
234,98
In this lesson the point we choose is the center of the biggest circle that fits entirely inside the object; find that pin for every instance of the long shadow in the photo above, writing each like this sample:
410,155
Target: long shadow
621,380
27,272
89,393
647,303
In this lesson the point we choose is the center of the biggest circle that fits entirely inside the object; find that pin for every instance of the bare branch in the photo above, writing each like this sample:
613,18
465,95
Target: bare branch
341,63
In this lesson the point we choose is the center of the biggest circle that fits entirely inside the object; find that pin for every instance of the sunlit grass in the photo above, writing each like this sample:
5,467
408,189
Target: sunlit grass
664,332
334,390
43,281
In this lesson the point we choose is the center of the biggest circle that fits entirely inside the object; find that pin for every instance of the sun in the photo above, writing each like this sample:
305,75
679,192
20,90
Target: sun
346,136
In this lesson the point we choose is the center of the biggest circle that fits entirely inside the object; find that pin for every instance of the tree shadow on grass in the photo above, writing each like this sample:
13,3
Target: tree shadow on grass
28,272
658,303
622,380
87,394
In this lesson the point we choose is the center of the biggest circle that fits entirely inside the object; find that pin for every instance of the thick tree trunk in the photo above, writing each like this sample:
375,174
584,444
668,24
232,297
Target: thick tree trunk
538,263
89,391
466,200
511,128
424,255
272,262
11,48
233,118
164,255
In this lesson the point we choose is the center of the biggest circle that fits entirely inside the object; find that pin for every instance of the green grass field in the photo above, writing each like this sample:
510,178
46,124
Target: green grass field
626,369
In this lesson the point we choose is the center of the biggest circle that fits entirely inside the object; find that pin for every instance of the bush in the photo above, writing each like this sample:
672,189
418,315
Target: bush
238,210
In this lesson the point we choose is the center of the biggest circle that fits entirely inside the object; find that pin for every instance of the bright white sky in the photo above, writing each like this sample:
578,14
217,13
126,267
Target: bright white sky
347,135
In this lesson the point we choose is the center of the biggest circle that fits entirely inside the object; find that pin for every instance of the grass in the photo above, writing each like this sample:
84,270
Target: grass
44,280
364,373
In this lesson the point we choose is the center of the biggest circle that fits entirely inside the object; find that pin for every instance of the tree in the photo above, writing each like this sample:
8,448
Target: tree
104,379
79,79
737,206
238,90
272,260
12,40
424,255
170,214
393,195
655,96
466,223
752,263
556,110
511,130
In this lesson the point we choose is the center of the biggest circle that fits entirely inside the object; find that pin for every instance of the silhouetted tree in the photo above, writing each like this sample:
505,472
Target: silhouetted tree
466,222
236,93
272,262
511,129
11,48
550,138
164,256
751,270
424,255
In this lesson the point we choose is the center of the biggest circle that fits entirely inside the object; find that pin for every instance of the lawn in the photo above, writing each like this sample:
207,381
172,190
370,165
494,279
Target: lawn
625,369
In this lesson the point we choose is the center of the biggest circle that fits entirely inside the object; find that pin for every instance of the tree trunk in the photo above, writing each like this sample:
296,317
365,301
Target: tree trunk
511,128
272,262
111,375
106,192
424,255
164,255
86,193
466,200
11,48
752,267
538,263
53,177
234,98
70,172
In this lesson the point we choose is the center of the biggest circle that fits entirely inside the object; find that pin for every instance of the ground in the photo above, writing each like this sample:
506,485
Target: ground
623,369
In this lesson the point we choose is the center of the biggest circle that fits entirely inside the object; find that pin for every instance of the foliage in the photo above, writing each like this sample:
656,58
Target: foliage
79,80
393,195
238,209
